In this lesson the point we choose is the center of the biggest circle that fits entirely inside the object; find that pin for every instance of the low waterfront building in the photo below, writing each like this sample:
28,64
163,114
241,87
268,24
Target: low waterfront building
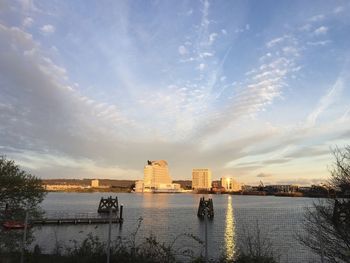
95,183
63,187
201,179
230,184
281,188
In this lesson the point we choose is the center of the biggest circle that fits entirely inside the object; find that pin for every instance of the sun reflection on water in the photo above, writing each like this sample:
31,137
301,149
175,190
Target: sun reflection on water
229,231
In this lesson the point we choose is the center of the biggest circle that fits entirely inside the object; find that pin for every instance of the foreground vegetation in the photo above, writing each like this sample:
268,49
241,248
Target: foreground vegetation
327,223
93,250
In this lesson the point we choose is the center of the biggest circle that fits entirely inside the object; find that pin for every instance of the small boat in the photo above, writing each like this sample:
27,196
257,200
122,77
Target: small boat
14,225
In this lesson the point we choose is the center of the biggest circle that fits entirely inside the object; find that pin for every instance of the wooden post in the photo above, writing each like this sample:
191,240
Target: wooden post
321,240
109,235
206,233
24,237
121,213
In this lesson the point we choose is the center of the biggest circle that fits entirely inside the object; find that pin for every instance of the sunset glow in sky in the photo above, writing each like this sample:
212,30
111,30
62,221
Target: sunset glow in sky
259,90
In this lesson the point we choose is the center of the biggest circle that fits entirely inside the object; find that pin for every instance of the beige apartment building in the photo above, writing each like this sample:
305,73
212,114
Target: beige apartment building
95,183
201,179
230,184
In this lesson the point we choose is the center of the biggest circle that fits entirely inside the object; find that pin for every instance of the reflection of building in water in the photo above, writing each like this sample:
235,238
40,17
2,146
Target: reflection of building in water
201,179
230,184
230,244
156,178
156,204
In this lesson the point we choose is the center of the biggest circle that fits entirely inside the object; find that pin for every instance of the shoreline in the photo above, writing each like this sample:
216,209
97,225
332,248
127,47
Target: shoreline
105,190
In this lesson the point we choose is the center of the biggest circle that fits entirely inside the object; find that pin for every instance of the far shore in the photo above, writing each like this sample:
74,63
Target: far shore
122,190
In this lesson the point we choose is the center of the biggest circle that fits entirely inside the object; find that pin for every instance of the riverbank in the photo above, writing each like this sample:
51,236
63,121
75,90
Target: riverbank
92,190
128,190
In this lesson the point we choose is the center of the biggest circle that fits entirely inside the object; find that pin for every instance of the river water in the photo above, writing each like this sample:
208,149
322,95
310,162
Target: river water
277,220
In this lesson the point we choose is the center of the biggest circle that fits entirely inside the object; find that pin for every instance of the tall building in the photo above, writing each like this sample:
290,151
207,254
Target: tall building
230,184
201,179
156,173
156,178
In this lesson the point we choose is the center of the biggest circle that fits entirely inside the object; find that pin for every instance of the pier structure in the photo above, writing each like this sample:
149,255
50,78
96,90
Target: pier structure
108,205
76,221
205,208
107,213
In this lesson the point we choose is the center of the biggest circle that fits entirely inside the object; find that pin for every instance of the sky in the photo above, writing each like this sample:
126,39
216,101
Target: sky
257,90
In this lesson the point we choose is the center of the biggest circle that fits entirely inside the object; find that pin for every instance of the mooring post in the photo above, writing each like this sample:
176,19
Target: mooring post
321,240
206,233
109,235
24,237
121,214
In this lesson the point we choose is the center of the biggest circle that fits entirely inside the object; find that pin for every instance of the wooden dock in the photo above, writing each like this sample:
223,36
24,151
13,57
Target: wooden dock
107,212
76,221
107,205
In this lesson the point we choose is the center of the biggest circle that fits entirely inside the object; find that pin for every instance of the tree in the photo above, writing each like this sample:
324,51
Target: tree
327,223
19,192
340,174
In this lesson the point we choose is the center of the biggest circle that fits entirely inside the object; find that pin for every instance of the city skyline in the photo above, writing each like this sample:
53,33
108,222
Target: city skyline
255,90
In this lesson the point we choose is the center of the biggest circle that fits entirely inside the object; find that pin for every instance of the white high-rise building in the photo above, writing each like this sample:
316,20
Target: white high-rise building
201,179
156,178
156,173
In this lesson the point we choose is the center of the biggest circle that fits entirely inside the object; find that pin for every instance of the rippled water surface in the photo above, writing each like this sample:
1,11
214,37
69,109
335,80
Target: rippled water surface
169,215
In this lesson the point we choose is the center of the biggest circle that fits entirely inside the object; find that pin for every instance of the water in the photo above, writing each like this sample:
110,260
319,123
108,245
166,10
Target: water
167,216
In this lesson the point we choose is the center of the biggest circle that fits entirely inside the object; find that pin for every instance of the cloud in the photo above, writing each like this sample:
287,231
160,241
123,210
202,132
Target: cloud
212,38
290,50
263,175
338,9
189,12
319,43
345,135
27,22
47,29
42,113
322,30
316,18
274,41
243,29
306,27
182,50
262,86
201,66
206,54
203,113
309,152
326,101
205,12
277,161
